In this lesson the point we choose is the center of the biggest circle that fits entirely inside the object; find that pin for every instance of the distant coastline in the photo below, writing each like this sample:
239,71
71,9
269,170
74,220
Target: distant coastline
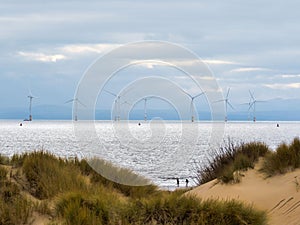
66,114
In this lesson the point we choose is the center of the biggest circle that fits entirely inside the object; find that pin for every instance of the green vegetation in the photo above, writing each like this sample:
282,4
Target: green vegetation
229,159
3,173
14,208
71,192
95,167
163,208
82,208
285,158
4,160
119,175
48,176
173,208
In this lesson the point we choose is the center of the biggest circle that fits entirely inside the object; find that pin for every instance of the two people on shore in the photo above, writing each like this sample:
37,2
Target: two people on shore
186,182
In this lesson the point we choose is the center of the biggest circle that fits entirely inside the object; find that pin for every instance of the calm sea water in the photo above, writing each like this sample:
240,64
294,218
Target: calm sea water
159,151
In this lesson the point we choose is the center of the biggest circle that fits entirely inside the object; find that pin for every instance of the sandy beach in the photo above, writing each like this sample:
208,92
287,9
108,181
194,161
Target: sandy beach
279,195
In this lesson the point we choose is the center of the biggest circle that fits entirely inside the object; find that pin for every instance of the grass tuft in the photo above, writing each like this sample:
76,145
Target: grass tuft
76,208
14,208
96,167
3,173
4,160
48,175
284,159
228,159
173,208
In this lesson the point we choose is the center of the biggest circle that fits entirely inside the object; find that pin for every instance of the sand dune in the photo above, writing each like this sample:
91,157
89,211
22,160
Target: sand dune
279,196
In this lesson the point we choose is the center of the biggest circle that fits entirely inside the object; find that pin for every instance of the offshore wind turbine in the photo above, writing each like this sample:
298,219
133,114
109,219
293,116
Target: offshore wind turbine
249,107
192,97
227,103
30,96
76,101
117,104
252,104
145,107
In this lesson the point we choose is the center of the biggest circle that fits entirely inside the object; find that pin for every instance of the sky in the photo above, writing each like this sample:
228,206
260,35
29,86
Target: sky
46,47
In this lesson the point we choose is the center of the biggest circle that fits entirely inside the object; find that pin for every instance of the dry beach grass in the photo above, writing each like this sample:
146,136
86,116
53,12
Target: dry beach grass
40,188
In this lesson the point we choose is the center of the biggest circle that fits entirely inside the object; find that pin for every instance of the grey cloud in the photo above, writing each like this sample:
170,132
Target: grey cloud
258,34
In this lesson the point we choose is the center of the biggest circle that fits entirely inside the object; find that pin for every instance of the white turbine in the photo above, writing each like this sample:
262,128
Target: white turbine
192,97
252,104
248,104
76,101
118,103
30,96
227,103
145,107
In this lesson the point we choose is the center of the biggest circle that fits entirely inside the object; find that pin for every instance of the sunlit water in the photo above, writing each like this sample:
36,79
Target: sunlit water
158,151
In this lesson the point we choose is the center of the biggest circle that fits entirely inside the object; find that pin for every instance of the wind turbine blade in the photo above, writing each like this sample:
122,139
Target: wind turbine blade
185,92
250,101
128,103
29,92
30,95
199,94
110,93
80,102
231,106
126,91
69,101
125,102
250,106
251,94
261,101
275,99
219,101
228,93
150,97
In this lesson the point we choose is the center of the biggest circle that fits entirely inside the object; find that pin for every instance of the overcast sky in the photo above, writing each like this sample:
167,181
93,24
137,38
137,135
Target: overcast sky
47,47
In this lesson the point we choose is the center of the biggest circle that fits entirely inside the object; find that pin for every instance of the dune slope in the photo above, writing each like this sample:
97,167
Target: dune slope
279,196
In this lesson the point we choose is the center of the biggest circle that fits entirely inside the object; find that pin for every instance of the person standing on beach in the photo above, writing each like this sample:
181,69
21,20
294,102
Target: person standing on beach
177,179
186,182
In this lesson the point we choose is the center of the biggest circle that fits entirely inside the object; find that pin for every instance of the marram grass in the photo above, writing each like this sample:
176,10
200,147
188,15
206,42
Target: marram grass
228,159
71,192
284,159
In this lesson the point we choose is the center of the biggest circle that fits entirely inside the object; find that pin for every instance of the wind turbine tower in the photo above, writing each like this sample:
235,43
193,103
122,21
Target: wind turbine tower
118,103
192,97
76,101
145,107
30,96
227,103
252,104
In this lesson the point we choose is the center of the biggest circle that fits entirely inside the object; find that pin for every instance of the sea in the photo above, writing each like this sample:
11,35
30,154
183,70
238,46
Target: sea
161,151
